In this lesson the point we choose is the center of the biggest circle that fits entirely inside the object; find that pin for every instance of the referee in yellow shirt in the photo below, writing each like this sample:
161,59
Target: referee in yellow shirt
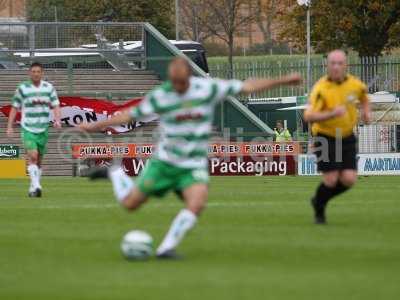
333,112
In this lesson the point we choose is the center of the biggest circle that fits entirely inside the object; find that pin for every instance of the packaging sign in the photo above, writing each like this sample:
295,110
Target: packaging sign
234,166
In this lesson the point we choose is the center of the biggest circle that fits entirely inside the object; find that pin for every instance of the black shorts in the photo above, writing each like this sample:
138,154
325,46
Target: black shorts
335,155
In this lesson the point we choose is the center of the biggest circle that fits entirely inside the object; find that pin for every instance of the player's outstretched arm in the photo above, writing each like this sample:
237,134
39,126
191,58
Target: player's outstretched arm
258,85
122,118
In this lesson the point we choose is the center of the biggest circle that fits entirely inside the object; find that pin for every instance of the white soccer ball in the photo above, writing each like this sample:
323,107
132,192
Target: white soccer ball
137,245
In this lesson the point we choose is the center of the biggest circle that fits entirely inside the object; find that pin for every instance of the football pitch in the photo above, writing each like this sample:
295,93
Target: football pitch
256,240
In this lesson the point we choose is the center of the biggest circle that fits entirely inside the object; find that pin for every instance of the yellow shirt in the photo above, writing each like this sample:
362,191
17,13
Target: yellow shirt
327,94
283,136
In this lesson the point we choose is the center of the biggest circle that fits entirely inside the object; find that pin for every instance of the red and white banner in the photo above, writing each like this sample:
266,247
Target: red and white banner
223,150
75,110
116,150
225,159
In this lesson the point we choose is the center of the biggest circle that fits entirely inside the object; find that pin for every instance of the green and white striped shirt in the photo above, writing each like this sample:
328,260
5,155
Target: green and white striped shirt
35,104
185,120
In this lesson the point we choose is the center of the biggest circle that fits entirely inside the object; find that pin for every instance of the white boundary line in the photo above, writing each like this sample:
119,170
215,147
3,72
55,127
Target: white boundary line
178,204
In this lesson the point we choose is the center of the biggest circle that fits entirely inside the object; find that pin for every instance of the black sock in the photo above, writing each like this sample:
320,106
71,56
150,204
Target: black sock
339,189
324,194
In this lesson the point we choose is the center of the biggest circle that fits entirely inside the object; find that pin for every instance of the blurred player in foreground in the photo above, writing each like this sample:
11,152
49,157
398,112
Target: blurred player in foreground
35,98
185,105
333,112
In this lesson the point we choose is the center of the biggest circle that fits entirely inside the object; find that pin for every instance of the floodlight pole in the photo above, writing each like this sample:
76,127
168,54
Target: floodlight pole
309,47
56,20
177,20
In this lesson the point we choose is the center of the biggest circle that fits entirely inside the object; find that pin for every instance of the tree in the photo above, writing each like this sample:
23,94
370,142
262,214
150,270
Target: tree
265,12
366,26
157,12
193,18
4,4
224,19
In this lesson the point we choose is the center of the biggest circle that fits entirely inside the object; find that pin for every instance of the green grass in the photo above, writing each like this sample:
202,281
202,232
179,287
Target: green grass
255,241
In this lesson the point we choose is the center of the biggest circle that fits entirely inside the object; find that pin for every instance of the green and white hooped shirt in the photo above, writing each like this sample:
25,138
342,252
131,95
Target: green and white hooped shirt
35,104
186,120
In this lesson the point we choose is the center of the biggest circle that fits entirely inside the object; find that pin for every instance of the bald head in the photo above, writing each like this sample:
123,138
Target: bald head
337,65
179,72
337,54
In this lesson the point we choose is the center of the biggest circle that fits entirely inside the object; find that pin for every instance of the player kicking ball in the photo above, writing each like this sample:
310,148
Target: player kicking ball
34,98
333,112
185,105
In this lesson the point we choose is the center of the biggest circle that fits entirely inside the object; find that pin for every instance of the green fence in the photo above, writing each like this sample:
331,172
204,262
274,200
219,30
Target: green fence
383,73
